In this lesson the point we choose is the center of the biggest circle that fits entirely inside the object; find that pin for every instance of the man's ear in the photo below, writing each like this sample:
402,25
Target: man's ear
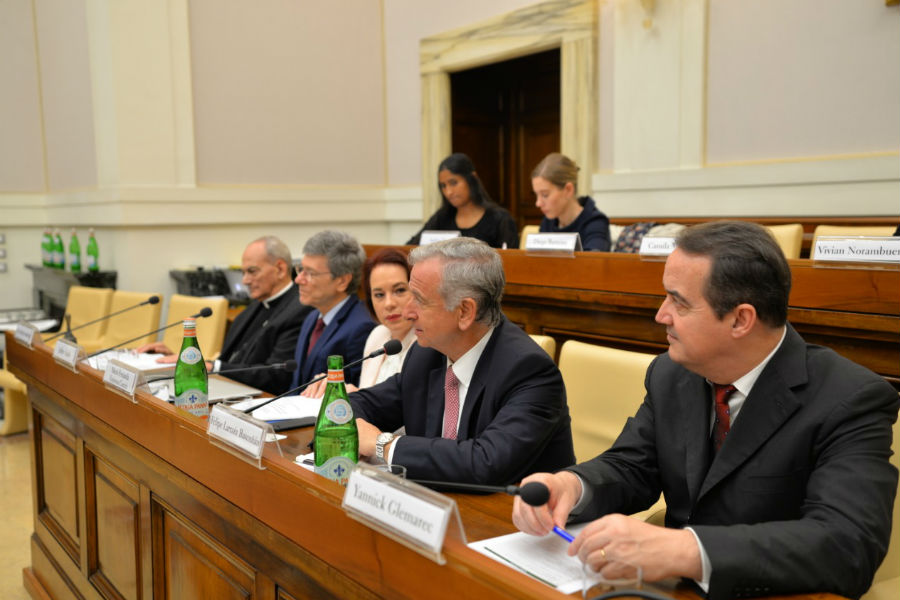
343,281
744,319
466,313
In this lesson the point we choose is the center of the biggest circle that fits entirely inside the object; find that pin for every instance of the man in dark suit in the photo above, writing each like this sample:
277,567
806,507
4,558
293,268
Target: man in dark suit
266,331
782,485
329,277
479,400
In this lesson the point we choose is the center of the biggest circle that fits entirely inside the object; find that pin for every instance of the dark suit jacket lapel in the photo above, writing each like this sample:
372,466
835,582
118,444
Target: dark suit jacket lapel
475,393
237,330
434,403
320,349
770,404
695,404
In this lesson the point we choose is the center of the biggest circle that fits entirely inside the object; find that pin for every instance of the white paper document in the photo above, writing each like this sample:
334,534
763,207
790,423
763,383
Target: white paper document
289,407
543,558
145,362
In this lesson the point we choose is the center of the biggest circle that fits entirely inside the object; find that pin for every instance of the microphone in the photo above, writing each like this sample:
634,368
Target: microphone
390,348
288,366
204,312
67,333
534,493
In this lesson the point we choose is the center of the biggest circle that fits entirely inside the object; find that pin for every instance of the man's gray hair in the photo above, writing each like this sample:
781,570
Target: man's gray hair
471,269
275,249
343,252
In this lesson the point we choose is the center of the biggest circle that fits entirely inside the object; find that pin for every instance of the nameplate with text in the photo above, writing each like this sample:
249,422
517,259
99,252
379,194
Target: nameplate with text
429,236
657,246
66,353
121,377
240,431
553,242
25,333
857,249
397,509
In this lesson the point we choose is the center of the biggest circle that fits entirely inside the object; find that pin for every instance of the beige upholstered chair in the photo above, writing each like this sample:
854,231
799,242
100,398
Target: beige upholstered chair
128,324
789,238
547,343
210,331
847,230
86,304
886,585
15,403
525,231
605,387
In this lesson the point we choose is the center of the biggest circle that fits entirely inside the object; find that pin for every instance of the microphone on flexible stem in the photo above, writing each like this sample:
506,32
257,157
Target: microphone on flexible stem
289,366
204,312
390,348
534,493
69,330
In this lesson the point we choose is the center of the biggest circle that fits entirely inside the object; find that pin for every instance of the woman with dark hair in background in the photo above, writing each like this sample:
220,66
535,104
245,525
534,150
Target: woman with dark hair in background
555,182
467,208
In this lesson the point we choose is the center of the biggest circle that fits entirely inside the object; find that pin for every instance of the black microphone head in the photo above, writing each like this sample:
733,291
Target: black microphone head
204,312
153,300
534,493
392,347
290,366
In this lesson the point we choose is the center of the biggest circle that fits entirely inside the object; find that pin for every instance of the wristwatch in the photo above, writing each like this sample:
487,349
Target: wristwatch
381,441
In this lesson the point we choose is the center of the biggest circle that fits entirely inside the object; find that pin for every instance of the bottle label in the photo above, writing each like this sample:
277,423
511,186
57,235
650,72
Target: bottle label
191,355
91,261
336,468
336,375
193,401
339,412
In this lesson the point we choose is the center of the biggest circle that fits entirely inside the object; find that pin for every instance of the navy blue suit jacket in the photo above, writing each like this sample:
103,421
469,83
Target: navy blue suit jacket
515,419
345,335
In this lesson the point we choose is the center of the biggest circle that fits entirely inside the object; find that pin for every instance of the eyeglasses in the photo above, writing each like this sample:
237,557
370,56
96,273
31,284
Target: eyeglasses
309,273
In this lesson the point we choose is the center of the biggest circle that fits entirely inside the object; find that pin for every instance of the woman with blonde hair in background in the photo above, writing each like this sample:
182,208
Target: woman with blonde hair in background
555,184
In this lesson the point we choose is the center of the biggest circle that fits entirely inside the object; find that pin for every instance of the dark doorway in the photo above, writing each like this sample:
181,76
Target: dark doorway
506,118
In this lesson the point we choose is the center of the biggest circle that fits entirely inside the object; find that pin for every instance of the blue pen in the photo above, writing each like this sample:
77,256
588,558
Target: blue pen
563,534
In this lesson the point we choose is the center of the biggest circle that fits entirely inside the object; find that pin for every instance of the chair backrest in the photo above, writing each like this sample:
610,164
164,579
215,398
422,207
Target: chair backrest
789,238
128,324
210,331
547,343
525,231
604,387
872,230
86,304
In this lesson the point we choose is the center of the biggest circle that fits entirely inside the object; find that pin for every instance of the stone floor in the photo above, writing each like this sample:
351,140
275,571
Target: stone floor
15,515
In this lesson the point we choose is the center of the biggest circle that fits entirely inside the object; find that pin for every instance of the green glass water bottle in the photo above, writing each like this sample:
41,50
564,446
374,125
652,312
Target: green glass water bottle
336,441
92,253
47,248
191,383
74,253
59,251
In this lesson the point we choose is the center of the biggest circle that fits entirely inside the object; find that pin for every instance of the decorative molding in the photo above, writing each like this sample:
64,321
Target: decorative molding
570,25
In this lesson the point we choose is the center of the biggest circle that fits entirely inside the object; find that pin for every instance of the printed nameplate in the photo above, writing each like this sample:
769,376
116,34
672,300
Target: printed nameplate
858,249
238,430
397,509
562,242
121,377
429,236
657,246
66,353
25,333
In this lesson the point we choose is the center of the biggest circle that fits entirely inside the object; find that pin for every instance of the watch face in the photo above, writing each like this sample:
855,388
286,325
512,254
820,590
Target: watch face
384,438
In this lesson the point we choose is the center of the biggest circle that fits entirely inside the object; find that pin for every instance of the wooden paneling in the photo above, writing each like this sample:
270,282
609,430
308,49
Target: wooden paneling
57,492
113,517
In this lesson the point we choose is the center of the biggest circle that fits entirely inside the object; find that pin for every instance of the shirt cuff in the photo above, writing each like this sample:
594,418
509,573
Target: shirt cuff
217,364
584,499
704,560
390,456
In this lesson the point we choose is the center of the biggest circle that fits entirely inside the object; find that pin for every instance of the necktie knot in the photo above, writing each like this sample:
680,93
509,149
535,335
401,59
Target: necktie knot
723,413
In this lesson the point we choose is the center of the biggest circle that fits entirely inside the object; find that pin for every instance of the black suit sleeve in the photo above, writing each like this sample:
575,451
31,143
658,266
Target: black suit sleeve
430,224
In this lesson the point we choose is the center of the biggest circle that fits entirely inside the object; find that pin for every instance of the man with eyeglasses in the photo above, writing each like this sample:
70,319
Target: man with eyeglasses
266,331
329,277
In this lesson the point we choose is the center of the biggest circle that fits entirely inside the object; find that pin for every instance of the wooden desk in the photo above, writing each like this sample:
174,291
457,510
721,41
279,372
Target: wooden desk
132,501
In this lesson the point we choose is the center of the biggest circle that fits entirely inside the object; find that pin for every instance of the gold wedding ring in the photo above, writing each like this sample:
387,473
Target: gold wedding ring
602,553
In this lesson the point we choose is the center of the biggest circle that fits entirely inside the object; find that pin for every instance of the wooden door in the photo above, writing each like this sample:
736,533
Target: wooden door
506,118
